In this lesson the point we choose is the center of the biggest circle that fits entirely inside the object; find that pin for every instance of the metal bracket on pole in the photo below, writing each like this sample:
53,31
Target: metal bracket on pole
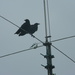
48,56
48,66
47,43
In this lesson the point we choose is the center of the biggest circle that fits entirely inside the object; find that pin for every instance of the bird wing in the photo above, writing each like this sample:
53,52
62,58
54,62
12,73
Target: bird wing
20,29
24,26
33,28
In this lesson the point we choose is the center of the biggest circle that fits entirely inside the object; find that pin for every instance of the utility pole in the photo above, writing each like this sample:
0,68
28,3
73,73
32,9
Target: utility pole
48,55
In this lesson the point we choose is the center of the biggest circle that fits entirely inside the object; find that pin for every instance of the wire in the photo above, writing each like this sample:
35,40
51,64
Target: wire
20,28
19,52
9,21
63,53
63,38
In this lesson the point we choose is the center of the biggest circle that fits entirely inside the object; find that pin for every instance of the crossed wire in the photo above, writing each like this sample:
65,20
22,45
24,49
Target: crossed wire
37,45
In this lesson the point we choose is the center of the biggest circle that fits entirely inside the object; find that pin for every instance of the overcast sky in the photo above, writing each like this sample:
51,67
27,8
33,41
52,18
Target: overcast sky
62,21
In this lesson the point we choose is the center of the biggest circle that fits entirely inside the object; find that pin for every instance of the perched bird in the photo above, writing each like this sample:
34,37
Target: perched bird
27,28
33,28
24,28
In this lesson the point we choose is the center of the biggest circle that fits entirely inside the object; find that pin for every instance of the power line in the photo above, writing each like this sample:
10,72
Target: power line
9,21
60,50
35,48
19,51
21,28
63,53
34,36
64,38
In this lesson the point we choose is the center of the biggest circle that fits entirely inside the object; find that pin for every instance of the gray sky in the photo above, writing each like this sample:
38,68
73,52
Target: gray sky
62,18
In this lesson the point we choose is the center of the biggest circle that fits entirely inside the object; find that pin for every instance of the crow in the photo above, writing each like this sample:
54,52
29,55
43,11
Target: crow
27,28
24,28
33,28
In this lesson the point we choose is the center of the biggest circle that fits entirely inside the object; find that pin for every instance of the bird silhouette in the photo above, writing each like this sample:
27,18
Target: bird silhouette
33,28
23,29
27,28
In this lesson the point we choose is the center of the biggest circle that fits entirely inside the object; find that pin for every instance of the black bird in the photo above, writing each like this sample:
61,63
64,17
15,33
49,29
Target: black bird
33,28
24,28
27,28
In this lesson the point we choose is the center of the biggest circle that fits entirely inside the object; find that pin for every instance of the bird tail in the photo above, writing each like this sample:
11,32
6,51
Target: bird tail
21,34
17,32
